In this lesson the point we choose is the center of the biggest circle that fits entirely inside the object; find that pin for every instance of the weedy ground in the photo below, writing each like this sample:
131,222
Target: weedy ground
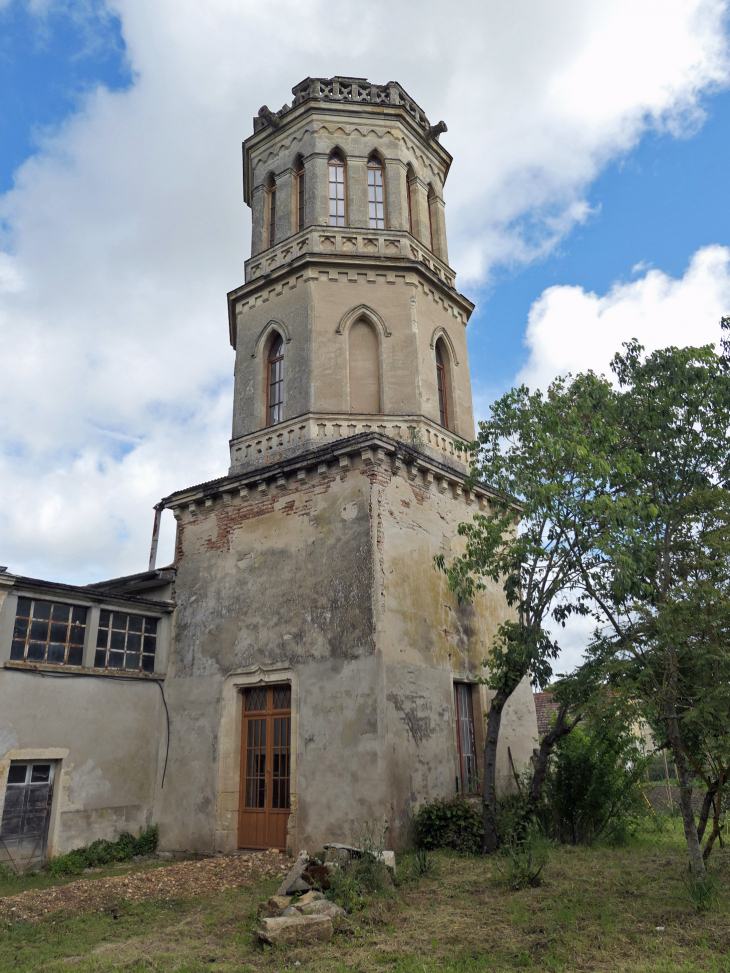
598,909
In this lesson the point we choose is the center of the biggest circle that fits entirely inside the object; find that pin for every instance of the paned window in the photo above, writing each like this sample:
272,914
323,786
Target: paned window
48,632
275,395
376,201
26,813
337,189
268,746
467,781
301,191
272,214
441,382
126,642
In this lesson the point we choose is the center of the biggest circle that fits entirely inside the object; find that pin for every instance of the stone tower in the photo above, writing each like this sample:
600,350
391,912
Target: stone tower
320,673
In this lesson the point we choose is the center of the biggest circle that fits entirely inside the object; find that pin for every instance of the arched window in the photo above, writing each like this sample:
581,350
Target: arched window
442,383
336,171
376,200
271,210
364,368
275,382
430,203
301,187
409,180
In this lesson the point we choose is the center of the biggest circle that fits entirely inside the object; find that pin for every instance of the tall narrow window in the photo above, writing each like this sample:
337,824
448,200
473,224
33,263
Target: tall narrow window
410,204
376,200
429,203
337,189
272,214
275,396
301,187
441,382
466,782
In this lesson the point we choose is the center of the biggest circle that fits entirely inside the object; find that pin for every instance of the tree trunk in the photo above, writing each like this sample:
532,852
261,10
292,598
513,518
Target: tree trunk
707,803
490,841
562,728
696,861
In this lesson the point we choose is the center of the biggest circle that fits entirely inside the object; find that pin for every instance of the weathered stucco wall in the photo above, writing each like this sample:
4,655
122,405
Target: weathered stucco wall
104,736
328,576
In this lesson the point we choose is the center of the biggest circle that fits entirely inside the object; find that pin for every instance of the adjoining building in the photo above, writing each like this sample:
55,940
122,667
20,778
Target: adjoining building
301,667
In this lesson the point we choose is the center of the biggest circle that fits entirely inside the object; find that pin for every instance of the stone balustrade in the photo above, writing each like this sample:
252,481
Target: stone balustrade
274,440
348,241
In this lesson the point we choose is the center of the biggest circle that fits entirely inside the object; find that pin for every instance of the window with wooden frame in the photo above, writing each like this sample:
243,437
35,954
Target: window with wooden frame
275,382
336,179
126,642
442,384
47,631
271,217
301,197
430,202
467,779
376,198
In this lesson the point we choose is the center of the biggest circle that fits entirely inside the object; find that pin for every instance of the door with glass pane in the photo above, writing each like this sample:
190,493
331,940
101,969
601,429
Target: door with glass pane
263,808
26,814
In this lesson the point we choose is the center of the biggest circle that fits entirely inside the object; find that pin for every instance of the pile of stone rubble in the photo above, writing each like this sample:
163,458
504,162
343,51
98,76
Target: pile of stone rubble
299,912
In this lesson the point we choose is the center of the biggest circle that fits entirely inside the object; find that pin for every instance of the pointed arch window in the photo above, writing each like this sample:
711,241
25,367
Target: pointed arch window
410,201
442,385
275,382
336,175
376,199
430,202
301,189
271,215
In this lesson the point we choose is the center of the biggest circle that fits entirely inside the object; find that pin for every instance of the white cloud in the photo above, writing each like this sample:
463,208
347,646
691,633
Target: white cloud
123,233
571,330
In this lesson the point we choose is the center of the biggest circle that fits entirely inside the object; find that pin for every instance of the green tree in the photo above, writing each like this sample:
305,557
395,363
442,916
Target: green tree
662,591
545,456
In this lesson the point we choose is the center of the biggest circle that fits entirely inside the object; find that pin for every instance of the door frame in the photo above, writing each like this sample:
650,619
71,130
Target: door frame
229,750
55,756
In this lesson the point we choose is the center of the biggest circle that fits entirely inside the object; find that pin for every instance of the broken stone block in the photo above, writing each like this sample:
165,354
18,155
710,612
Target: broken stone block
322,907
291,910
276,905
296,929
293,882
388,859
309,898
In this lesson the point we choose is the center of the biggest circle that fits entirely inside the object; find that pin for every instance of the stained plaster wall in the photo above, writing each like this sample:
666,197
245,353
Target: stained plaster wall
104,736
331,576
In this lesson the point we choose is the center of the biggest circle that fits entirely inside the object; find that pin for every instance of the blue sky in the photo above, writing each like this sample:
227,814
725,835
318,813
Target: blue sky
587,204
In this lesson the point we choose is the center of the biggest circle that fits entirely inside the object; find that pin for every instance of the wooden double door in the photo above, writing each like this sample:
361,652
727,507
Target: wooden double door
265,798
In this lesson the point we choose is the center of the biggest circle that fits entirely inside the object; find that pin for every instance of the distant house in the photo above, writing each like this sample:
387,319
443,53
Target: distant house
545,707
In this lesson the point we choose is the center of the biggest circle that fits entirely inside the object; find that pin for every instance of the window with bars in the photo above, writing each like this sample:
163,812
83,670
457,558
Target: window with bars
441,382
47,631
376,200
126,642
467,779
336,169
275,384
301,197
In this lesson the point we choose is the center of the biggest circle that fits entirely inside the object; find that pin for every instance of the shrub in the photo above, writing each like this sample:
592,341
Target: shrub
449,824
524,858
591,788
104,852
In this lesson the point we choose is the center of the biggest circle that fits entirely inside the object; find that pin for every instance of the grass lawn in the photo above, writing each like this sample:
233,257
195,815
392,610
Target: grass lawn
597,909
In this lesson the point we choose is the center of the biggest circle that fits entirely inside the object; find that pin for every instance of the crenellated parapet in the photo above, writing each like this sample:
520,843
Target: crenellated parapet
358,91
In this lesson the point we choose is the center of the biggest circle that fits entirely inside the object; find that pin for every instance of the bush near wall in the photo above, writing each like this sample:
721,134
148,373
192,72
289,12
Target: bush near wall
451,823
103,852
